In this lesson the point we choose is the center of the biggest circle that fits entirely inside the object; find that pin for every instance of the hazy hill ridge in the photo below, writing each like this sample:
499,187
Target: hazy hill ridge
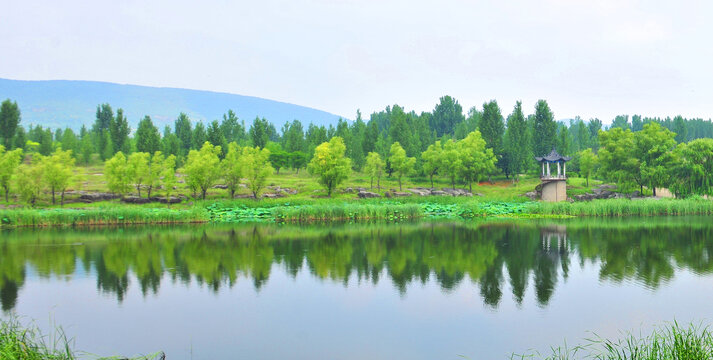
60,103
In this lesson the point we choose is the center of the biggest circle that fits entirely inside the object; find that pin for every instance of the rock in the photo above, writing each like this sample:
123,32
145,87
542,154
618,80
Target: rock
220,186
368,195
438,193
135,200
532,195
349,190
164,200
273,196
400,194
420,191
92,197
456,192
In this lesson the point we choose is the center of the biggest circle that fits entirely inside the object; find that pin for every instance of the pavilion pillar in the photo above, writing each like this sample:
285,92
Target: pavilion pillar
564,169
548,169
543,169
558,169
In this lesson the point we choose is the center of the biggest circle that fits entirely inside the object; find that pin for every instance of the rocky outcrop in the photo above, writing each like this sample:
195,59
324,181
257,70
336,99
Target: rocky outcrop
606,192
392,194
135,200
444,192
368,195
281,190
94,197
153,199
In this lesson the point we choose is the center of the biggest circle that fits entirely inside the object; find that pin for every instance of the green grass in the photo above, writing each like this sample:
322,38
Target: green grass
28,343
18,343
116,215
626,207
671,341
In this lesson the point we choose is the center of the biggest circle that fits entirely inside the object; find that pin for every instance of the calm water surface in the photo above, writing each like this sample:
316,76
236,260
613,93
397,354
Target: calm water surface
405,291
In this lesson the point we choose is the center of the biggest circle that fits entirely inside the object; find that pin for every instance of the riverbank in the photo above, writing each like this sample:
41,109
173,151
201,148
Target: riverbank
316,210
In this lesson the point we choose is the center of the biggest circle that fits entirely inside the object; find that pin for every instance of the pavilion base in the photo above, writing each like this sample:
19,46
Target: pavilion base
554,190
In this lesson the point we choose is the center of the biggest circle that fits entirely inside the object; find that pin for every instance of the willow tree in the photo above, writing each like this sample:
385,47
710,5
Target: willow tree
58,170
118,174
330,164
432,159
476,158
231,168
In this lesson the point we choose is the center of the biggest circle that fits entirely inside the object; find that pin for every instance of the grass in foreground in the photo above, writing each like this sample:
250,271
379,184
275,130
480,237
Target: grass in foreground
21,343
671,341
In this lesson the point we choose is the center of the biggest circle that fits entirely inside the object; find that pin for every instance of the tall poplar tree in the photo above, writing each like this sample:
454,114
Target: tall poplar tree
545,129
148,139
517,146
9,120
492,129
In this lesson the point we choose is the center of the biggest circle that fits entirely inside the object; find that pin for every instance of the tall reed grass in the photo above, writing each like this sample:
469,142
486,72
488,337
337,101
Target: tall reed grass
626,207
671,341
100,216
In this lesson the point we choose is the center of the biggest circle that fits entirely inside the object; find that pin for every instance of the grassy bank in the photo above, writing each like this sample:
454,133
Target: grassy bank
672,341
114,215
342,209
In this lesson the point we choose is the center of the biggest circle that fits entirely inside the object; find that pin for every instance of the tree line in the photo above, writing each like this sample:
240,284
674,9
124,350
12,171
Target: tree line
392,141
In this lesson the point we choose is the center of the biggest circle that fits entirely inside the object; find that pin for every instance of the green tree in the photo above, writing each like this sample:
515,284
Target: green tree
330,164
119,130
9,120
617,159
118,174
588,162
199,136
215,136
451,161
138,167
255,163
168,177
564,140
101,128
693,169
9,161
148,139
680,128
545,129
432,160
232,168
153,178
58,171
517,145
233,130
182,129
374,168
203,167
401,164
492,130
653,147
446,116
259,132
476,158
29,180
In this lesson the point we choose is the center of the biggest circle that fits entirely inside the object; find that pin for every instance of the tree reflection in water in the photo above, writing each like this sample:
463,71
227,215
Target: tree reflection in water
488,254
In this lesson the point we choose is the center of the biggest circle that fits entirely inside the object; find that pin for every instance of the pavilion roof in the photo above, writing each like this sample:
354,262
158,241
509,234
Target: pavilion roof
553,156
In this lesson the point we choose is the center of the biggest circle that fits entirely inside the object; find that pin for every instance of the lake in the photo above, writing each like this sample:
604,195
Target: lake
426,290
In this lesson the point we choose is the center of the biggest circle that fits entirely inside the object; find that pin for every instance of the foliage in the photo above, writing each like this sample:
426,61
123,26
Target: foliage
168,175
231,168
58,171
203,168
401,164
29,180
20,343
330,164
692,172
148,139
516,147
138,168
9,161
374,168
255,164
492,130
476,159
588,162
545,129
118,174
615,157
9,120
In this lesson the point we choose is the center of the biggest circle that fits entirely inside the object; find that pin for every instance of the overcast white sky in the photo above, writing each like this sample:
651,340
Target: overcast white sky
589,58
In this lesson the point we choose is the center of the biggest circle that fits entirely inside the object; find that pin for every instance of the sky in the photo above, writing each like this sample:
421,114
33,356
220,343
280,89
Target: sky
586,58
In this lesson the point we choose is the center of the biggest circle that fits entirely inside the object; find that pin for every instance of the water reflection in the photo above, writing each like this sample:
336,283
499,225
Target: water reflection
526,255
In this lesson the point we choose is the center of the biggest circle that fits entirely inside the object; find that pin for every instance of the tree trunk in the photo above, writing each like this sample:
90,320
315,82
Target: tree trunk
378,182
61,201
204,191
138,188
148,195
7,194
470,186
641,191
399,183
453,183
431,181
232,193
53,202
371,186
587,181
654,188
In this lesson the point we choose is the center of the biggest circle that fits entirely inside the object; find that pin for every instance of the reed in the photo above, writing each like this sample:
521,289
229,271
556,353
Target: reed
100,216
671,341
626,207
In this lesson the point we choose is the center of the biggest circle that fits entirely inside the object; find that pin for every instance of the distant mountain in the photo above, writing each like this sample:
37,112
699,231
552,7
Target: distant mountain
61,103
